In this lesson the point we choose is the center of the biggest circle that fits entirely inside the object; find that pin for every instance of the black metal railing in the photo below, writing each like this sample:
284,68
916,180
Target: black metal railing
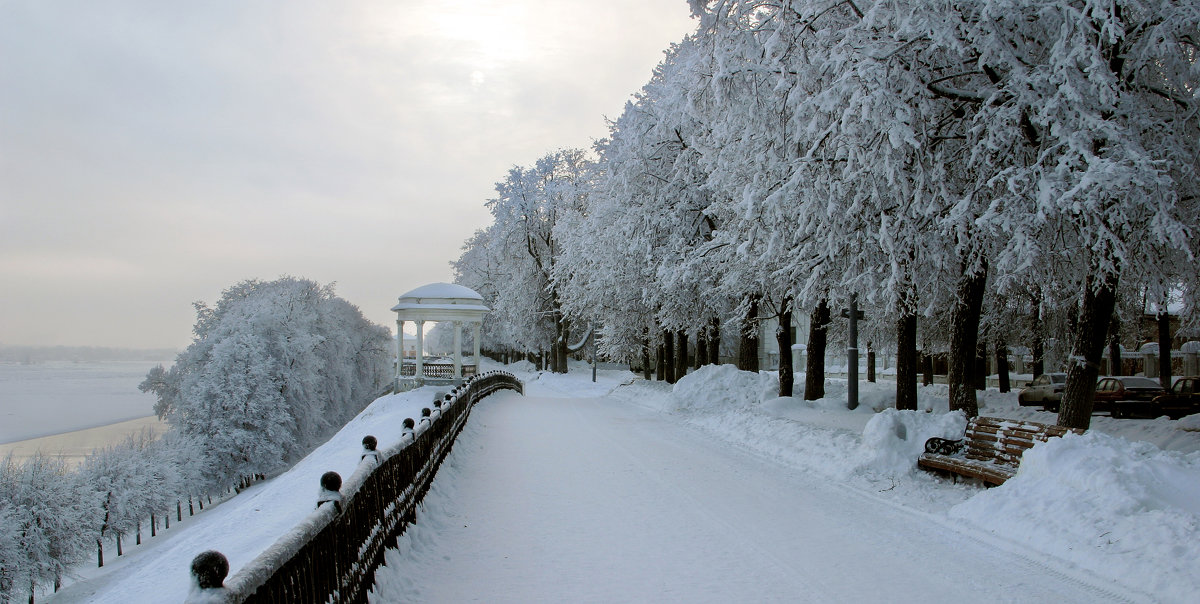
332,556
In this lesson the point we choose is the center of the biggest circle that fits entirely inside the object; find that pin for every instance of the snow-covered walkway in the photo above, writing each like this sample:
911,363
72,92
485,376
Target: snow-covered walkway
599,500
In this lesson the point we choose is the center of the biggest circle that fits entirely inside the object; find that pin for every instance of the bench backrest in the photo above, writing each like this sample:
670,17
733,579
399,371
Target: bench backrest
1005,440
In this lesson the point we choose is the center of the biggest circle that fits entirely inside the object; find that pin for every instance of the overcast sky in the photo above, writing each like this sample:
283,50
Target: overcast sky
154,153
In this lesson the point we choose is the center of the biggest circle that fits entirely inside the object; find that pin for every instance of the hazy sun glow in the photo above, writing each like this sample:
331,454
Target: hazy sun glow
486,36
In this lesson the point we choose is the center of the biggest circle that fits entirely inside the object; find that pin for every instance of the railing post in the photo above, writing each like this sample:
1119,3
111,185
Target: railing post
208,570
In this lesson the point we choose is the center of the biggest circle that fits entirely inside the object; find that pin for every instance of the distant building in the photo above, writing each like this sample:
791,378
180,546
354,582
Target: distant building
410,346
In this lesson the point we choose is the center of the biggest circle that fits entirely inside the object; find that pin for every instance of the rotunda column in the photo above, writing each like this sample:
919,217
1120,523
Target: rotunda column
420,375
458,352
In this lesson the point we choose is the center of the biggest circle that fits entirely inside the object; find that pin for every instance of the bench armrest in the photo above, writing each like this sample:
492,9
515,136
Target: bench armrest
943,446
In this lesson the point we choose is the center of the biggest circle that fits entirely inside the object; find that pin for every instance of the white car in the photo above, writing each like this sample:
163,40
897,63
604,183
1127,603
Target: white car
1045,390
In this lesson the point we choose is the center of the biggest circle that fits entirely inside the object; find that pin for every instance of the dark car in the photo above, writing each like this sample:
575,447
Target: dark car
1183,399
1045,390
1124,395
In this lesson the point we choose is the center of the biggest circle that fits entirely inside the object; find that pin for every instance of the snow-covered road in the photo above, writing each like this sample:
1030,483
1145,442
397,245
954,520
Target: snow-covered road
597,500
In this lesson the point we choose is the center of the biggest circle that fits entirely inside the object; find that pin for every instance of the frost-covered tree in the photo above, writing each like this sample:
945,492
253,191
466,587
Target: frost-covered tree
514,258
45,507
131,481
10,550
629,259
274,369
1110,95
988,138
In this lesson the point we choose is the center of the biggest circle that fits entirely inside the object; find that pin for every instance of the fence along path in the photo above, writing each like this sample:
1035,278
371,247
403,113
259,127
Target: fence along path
332,556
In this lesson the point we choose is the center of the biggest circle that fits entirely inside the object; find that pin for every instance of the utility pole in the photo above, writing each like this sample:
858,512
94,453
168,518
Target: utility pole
854,315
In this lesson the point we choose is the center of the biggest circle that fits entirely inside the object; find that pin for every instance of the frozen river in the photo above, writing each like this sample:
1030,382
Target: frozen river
52,397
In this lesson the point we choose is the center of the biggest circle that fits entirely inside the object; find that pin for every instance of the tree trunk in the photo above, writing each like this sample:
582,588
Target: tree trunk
926,369
783,337
906,362
964,337
103,529
981,371
1114,347
560,351
1075,410
870,363
120,549
660,366
1164,349
1038,349
701,347
647,368
748,344
681,354
669,355
1002,365
818,340
714,343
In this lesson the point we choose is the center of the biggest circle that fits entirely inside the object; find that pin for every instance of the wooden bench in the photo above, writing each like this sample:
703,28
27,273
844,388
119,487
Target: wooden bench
990,450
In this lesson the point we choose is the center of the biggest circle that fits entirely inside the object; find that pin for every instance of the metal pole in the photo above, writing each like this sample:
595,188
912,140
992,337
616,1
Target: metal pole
852,356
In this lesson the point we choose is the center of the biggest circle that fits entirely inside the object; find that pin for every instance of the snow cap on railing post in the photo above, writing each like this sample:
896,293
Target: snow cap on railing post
331,490
209,570
370,445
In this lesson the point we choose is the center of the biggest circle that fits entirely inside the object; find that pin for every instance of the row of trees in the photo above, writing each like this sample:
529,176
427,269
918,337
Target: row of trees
53,516
274,369
999,168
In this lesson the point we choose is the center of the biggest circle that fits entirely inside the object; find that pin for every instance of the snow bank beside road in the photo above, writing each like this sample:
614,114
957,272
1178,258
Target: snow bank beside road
1116,505
1126,510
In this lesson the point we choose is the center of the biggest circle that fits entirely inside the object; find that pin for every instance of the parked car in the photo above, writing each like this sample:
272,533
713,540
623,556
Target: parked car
1045,390
1183,399
1122,395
